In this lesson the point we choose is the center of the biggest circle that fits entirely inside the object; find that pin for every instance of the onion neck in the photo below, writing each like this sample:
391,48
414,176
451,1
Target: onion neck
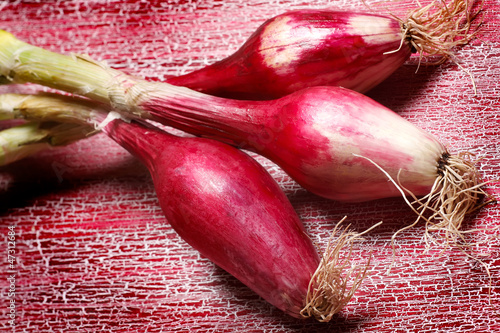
139,138
199,114
214,79
29,138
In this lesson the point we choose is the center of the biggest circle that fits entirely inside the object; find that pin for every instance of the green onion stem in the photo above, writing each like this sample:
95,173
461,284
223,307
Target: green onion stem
21,62
27,139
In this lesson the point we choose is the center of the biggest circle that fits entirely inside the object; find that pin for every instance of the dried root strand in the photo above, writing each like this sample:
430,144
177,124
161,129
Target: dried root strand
328,290
437,28
457,192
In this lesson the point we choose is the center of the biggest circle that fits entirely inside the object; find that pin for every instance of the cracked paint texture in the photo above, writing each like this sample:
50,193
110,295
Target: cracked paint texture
94,252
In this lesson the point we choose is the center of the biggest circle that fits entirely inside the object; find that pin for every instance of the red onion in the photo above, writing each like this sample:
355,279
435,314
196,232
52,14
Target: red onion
306,48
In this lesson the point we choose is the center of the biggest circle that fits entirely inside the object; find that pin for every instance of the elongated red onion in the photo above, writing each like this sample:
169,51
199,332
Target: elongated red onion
224,204
306,48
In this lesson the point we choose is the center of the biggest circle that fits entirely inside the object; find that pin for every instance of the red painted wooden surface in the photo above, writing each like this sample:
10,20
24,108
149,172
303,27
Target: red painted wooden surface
94,253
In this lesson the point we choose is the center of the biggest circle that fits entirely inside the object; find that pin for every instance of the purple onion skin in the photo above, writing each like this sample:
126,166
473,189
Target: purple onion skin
302,49
228,207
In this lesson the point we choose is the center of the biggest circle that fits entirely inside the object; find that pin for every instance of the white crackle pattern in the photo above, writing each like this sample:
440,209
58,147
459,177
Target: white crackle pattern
96,254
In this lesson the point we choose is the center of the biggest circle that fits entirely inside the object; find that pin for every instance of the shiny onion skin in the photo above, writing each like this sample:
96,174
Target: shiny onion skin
305,48
225,205
312,135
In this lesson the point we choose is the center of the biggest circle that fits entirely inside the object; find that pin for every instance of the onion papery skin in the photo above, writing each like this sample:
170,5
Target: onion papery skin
306,48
